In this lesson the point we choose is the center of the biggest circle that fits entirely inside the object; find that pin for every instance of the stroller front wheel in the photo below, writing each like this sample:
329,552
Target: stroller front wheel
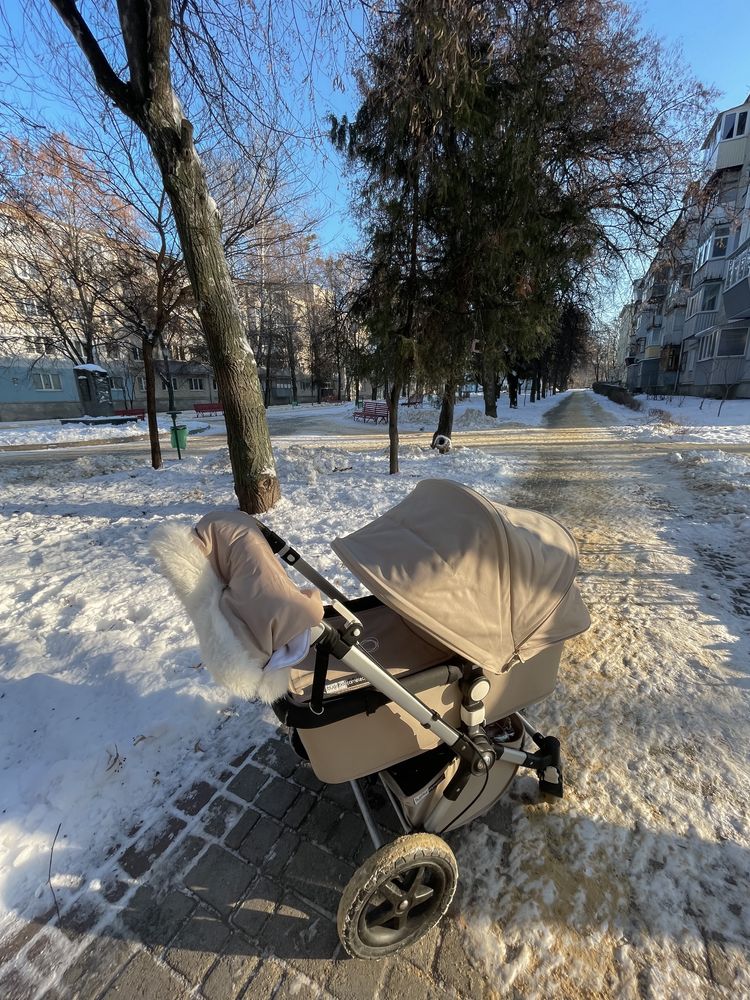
397,896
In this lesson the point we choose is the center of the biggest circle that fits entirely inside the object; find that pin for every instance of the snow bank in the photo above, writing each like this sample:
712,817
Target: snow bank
684,418
469,414
53,432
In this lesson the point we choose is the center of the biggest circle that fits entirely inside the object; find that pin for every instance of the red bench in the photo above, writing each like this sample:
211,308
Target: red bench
216,409
373,409
139,414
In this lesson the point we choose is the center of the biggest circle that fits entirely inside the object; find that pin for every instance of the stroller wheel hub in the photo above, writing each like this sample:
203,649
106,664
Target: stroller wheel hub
479,689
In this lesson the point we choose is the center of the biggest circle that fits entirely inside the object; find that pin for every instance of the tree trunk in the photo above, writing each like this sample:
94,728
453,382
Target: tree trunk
197,221
167,373
489,388
147,345
393,397
148,98
534,389
291,352
512,390
374,392
445,420
267,389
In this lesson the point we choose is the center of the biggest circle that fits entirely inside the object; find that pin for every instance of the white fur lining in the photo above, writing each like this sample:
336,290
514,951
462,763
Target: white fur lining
179,557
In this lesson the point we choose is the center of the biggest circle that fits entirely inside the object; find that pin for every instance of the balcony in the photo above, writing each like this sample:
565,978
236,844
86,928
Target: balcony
677,297
725,154
713,270
737,286
655,291
699,322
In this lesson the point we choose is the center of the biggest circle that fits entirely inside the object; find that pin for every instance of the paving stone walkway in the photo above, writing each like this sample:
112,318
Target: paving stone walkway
236,896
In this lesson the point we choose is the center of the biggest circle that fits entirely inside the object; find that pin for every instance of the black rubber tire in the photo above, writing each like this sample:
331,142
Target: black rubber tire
418,863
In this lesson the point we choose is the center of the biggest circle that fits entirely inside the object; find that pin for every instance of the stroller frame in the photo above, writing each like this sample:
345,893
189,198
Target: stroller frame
386,906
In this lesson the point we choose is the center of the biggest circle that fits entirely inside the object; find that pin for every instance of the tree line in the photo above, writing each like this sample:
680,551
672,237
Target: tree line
507,156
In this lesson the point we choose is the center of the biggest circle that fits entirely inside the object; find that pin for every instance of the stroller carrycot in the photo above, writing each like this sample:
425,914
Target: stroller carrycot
421,684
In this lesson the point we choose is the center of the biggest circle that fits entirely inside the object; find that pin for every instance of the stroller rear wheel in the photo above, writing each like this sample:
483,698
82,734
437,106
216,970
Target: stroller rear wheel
397,896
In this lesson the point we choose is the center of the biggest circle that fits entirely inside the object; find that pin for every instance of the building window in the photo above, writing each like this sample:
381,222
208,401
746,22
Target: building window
706,348
165,383
116,382
710,298
734,125
31,308
24,269
716,246
195,384
141,383
732,343
46,381
44,345
720,242
137,353
213,383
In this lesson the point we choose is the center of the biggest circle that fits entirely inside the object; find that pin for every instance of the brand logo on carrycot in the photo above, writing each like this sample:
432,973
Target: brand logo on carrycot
370,644
343,684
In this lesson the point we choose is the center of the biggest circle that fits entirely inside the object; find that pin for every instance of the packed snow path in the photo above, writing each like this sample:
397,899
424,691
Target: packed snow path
638,883
635,885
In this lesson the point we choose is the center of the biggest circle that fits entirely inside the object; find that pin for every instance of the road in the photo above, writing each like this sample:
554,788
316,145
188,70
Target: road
575,421
633,885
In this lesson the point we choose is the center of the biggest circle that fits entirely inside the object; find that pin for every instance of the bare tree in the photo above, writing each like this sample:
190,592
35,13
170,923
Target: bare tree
60,272
151,40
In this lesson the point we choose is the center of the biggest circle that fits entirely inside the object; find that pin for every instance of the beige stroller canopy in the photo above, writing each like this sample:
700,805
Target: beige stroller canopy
489,582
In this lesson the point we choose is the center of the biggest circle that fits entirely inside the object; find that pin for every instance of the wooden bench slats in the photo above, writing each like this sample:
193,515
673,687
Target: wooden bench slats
138,413
373,409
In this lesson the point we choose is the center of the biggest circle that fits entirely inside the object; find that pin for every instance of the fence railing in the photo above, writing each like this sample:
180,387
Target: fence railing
738,268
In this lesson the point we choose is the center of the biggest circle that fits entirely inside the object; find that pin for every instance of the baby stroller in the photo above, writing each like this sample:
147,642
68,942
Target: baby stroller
420,684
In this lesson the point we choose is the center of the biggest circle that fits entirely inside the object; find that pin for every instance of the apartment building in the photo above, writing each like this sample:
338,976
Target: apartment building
690,313
65,351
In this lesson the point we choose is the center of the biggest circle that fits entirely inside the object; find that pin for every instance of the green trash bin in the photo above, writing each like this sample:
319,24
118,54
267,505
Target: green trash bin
179,436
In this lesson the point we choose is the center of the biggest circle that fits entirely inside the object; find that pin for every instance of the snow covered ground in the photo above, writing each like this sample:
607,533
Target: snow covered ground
686,418
36,432
105,710
327,418
636,884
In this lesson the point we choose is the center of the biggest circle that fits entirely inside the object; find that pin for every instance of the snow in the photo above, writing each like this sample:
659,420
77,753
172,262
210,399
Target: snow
622,888
90,368
52,432
468,415
686,418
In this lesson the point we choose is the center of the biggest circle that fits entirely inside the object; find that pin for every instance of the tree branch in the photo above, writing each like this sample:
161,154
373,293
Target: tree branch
106,79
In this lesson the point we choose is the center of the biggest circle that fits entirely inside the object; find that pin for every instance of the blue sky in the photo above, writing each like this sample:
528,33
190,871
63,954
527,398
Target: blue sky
715,40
